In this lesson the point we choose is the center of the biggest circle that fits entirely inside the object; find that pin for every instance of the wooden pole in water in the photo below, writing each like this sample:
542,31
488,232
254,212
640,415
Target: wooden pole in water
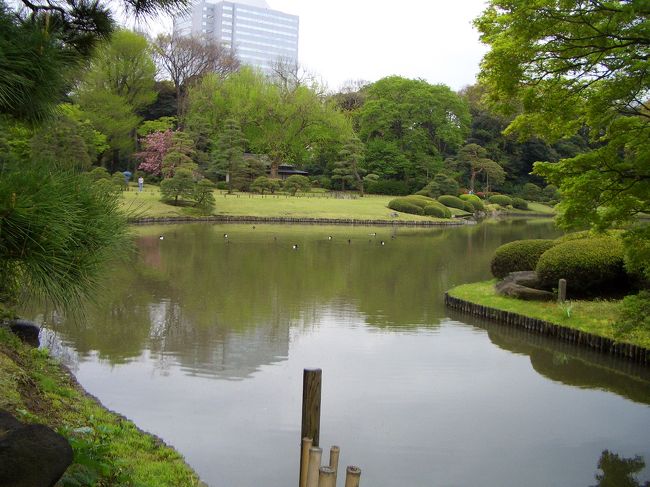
315,455
304,461
352,476
561,290
327,477
311,388
334,458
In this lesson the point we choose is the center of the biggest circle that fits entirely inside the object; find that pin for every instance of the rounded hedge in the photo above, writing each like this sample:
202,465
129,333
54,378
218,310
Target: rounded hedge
520,255
590,265
418,200
454,202
500,199
519,203
476,202
405,206
438,210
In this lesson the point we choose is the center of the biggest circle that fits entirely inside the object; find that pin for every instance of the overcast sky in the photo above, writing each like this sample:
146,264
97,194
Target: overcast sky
368,39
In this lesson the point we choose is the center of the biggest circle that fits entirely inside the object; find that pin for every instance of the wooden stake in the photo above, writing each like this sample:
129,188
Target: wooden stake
304,461
311,387
327,477
334,458
352,476
315,455
561,290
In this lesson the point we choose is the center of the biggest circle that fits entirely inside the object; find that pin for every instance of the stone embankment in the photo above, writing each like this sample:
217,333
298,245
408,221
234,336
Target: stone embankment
627,351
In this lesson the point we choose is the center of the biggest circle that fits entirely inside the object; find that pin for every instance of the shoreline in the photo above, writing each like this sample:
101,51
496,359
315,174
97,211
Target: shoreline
309,221
605,345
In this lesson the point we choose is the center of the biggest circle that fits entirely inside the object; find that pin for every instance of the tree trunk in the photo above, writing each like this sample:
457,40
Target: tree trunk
274,168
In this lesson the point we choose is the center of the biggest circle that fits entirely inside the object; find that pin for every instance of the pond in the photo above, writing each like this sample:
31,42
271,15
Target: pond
201,339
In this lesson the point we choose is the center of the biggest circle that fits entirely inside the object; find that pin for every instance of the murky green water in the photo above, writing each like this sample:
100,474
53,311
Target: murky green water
202,340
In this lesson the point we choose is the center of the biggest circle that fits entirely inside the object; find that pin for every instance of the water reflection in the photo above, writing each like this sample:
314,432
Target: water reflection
226,306
568,363
618,471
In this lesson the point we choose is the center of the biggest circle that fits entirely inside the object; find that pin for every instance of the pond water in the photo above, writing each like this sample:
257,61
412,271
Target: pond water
202,340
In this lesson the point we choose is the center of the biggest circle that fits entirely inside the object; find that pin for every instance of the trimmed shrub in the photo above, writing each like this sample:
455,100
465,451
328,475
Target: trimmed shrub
405,206
437,210
500,199
519,203
520,255
474,200
389,187
468,206
591,266
454,202
419,200
221,185
531,192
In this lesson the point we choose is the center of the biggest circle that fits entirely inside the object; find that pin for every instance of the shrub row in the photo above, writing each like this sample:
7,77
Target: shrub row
500,199
474,200
591,265
419,205
456,202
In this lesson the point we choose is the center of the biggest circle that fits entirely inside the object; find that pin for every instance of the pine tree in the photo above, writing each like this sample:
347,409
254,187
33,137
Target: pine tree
347,169
228,154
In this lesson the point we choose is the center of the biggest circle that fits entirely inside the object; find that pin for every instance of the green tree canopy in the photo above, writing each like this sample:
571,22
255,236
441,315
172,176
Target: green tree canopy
422,122
570,66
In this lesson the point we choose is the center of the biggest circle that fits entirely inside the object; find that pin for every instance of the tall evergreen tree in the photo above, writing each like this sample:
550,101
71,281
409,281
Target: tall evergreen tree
228,153
347,169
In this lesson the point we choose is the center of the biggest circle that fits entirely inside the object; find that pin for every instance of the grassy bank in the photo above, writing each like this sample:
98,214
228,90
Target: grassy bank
108,449
598,317
309,205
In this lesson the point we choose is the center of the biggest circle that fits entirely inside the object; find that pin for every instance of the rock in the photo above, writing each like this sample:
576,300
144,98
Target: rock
26,331
522,285
31,455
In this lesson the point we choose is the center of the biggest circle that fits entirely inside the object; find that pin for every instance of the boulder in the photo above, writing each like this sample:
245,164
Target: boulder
26,331
521,285
31,455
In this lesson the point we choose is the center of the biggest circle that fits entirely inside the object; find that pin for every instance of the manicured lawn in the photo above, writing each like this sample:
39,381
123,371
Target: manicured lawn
597,317
317,205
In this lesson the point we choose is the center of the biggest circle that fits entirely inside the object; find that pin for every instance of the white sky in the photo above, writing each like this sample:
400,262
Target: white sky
364,39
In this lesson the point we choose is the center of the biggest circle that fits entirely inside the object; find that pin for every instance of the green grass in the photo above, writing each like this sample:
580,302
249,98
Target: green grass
108,450
598,317
310,205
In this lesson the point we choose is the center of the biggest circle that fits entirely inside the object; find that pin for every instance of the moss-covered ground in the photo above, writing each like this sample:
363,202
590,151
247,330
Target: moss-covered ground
108,449
598,317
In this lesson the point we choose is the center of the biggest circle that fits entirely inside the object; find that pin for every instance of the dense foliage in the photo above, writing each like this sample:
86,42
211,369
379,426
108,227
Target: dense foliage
590,266
520,255
500,199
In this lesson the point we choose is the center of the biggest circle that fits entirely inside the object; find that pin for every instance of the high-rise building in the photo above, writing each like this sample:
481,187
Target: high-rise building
260,36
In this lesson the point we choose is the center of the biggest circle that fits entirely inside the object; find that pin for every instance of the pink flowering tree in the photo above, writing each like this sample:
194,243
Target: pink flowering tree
155,147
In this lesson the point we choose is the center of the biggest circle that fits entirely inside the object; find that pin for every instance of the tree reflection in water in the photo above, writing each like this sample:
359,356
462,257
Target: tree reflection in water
619,471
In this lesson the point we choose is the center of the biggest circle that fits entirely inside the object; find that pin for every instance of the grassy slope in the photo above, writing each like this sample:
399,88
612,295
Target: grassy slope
597,317
371,207
109,450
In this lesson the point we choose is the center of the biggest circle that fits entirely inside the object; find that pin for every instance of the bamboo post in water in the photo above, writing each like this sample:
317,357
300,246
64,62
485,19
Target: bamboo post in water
327,477
352,476
304,461
334,458
315,455
311,388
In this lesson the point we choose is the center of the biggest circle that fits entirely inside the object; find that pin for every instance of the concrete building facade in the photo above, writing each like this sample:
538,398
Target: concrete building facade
260,36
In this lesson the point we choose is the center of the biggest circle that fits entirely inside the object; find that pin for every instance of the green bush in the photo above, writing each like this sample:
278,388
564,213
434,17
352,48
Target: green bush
520,255
519,203
437,210
419,200
405,206
591,266
389,187
221,185
475,201
203,195
455,202
500,199
634,314
296,183
441,184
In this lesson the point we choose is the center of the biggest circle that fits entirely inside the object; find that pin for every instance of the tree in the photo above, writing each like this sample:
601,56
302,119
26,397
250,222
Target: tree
180,185
472,159
261,184
179,155
154,148
185,59
583,65
228,155
418,124
296,183
118,84
347,169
